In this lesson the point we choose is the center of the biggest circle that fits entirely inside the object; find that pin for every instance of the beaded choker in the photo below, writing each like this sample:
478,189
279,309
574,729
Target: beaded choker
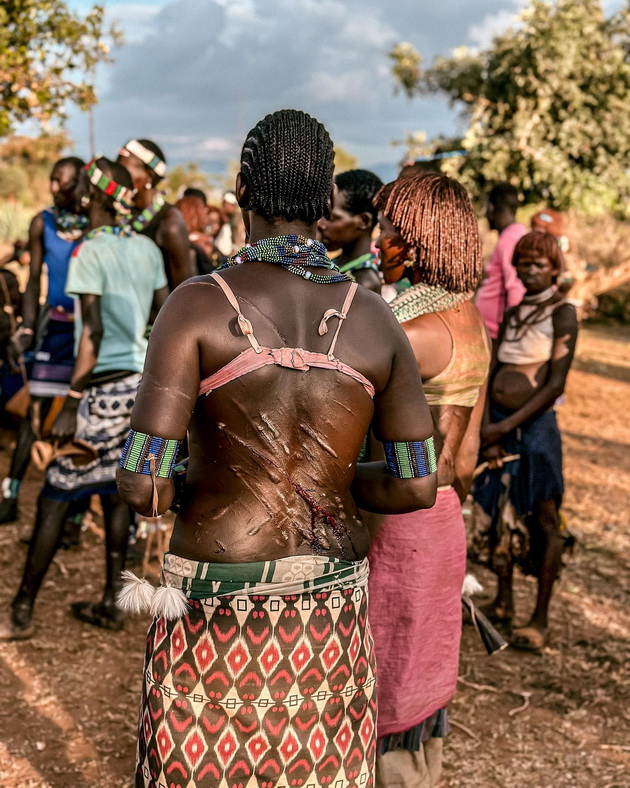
70,226
295,254
121,195
144,219
108,229
423,299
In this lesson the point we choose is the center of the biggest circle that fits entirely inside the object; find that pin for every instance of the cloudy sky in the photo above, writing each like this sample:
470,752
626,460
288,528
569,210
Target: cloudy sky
196,75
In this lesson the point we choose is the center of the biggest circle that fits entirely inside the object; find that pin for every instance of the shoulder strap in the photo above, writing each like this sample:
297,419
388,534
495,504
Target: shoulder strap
323,326
243,323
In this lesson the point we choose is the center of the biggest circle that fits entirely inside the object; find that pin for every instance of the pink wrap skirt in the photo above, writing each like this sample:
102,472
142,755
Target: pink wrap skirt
417,567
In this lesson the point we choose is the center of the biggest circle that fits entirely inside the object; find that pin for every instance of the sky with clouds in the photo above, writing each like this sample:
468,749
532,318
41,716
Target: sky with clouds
196,75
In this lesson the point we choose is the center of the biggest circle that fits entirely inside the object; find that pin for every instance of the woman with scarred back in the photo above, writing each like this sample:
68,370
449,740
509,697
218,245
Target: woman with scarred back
259,658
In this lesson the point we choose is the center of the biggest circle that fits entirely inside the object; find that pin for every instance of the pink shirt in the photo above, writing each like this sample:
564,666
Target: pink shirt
500,287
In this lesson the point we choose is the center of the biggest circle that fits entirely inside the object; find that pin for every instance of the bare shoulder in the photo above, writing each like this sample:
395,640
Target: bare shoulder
37,225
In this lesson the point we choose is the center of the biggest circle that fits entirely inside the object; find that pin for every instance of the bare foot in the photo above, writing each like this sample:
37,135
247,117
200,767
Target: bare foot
496,613
10,629
529,638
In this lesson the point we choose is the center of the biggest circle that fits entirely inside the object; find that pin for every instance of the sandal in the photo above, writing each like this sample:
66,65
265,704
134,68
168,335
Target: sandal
97,615
529,639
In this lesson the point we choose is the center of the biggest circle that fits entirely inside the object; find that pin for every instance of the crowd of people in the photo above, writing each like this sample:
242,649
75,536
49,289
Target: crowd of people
324,384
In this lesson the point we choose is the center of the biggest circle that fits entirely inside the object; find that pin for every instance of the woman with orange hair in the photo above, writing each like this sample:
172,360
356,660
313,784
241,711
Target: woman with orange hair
429,233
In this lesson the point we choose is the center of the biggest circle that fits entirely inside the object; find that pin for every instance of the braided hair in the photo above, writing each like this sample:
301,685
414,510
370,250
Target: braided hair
541,244
359,187
434,215
287,162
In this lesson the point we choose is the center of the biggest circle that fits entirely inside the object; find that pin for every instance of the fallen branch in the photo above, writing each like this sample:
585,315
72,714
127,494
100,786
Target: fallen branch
487,688
461,727
526,696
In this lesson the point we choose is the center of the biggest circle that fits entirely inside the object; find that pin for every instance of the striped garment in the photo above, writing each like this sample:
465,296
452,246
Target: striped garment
102,420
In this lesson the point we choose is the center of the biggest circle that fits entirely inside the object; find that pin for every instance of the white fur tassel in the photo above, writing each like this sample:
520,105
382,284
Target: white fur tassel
169,602
471,586
136,595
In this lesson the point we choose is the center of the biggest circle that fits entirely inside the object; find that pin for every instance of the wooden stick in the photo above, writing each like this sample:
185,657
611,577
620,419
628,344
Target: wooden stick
461,727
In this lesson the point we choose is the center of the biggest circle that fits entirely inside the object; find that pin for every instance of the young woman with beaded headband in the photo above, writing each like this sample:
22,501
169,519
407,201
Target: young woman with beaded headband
428,233
118,278
153,216
283,365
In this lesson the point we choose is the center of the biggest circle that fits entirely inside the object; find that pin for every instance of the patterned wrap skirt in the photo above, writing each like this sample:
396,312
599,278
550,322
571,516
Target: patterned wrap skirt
103,420
267,681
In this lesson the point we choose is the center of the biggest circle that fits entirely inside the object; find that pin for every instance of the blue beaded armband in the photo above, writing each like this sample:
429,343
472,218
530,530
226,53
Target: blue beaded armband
141,449
410,459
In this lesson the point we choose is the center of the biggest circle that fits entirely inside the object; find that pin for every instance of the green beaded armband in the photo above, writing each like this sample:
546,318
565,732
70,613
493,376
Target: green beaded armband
410,459
141,449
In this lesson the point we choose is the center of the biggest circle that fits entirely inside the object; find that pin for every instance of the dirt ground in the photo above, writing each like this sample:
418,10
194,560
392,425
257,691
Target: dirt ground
69,697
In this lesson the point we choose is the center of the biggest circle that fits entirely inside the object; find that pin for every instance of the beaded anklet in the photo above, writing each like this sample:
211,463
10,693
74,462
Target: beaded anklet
149,455
410,459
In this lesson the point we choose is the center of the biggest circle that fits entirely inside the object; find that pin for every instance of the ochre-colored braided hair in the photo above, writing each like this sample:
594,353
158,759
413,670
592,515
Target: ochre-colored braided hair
434,215
287,161
543,245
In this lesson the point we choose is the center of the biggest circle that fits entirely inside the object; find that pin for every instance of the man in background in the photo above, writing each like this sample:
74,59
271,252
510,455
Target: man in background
501,288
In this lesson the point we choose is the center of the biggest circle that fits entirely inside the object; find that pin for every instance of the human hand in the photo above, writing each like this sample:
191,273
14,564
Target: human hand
494,456
65,426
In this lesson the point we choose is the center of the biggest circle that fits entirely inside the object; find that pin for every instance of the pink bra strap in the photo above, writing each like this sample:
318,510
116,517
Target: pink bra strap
323,326
243,323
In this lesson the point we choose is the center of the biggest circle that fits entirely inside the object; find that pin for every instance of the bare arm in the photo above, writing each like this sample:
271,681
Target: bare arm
30,299
174,242
401,413
469,448
167,395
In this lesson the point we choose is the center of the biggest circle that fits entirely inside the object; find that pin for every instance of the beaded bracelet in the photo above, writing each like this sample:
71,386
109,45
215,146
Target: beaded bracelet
410,459
142,451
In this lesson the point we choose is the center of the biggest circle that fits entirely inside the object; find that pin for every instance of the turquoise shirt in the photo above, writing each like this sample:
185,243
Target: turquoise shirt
125,273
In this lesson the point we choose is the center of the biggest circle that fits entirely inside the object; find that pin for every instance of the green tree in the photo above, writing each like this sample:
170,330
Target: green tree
47,56
546,106
344,160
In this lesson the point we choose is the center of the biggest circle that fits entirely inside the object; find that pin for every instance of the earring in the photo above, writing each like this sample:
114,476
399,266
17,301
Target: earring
84,201
148,186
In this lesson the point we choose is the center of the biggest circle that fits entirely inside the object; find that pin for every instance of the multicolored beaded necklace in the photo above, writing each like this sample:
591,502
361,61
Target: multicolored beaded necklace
109,229
295,254
424,299
70,226
144,219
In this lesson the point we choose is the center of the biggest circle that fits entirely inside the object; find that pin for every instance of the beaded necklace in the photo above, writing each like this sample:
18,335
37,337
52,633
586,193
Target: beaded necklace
70,226
295,254
144,219
366,261
424,299
108,229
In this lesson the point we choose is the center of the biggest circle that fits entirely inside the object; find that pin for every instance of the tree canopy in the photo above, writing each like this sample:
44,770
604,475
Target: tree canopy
47,54
546,105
